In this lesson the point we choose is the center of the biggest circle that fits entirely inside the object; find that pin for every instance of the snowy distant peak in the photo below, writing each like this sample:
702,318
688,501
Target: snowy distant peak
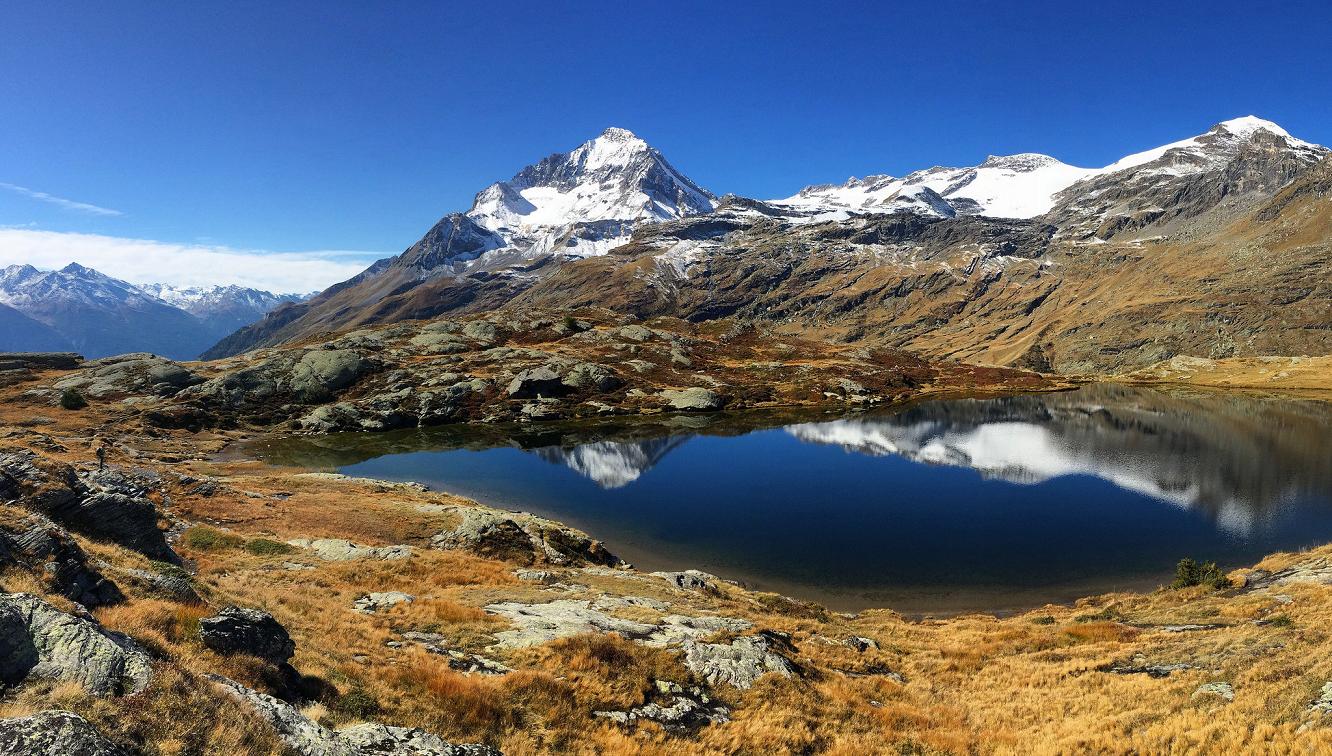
1218,145
22,286
1010,186
202,300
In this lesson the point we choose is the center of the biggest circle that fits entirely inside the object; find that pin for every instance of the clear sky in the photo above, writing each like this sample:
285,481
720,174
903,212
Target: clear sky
317,127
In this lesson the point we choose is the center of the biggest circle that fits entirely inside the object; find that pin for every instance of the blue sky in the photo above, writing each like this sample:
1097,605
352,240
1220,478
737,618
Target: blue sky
313,128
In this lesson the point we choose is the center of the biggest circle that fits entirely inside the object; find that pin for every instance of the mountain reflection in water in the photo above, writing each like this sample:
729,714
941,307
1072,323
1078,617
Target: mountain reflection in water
940,506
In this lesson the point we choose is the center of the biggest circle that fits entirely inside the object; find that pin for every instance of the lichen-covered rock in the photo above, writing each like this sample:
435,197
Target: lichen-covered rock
684,710
379,601
322,372
536,383
691,580
339,550
308,738
39,545
692,400
539,623
591,377
237,630
54,733
130,375
739,663
39,641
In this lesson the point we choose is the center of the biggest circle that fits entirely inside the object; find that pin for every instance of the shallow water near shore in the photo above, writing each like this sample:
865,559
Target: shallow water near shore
940,507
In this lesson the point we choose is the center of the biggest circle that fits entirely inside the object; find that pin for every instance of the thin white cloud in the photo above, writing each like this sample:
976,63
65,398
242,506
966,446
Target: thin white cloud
143,261
68,204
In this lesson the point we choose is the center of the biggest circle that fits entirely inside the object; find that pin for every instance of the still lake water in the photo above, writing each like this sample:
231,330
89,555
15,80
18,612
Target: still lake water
939,507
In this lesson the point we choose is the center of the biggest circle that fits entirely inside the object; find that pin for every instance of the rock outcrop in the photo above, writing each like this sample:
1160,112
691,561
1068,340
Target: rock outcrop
130,374
308,738
340,550
522,538
54,733
104,505
237,630
40,546
739,663
39,641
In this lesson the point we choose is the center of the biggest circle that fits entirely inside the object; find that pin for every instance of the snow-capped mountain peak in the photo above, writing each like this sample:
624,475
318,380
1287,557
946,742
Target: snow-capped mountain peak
606,185
1211,148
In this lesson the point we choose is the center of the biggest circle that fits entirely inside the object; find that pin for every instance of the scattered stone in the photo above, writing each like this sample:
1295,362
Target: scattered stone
309,738
1323,703
1317,570
861,644
536,383
482,332
545,577
39,641
1138,666
739,663
692,400
684,710
1219,689
376,602
54,733
237,630
539,623
339,550
692,580
590,376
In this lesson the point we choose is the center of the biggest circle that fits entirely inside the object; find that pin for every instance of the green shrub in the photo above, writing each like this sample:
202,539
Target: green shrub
356,703
205,538
166,569
1044,619
71,399
265,547
1189,573
1282,621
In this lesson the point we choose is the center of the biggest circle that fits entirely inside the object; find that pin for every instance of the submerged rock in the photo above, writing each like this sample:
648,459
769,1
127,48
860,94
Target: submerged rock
236,630
54,733
39,641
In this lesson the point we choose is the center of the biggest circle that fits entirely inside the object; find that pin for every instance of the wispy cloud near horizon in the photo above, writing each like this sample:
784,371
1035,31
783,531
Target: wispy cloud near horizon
144,261
68,204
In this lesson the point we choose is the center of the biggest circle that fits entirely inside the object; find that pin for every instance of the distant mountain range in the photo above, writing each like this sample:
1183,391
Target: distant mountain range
79,309
1195,247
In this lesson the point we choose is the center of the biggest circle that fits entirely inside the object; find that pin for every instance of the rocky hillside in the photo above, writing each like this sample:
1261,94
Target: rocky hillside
1194,248
182,601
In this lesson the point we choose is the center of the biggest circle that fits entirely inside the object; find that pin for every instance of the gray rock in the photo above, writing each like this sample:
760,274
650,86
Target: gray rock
739,663
1139,665
39,641
130,374
536,383
539,623
236,630
1316,571
683,710
434,342
1323,703
375,602
308,738
862,644
634,332
482,332
592,377
54,733
691,580
339,550
692,400
176,587
1219,689
321,373
40,546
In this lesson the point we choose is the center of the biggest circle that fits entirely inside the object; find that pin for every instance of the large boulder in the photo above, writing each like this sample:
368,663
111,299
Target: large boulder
236,630
535,383
130,375
520,537
321,373
39,545
692,400
309,738
54,733
39,641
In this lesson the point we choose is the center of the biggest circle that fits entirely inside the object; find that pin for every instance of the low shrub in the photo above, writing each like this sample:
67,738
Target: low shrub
1189,573
265,547
71,399
205,538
